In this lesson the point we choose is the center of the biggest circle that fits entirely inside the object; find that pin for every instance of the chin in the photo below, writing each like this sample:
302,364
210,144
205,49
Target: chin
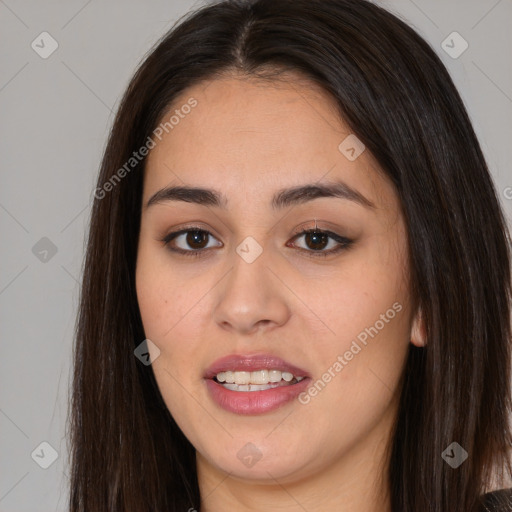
262,464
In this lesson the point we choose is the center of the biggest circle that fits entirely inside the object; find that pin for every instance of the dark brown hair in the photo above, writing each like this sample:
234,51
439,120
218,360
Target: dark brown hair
398,98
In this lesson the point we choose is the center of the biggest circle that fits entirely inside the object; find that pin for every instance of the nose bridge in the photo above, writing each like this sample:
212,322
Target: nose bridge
251,295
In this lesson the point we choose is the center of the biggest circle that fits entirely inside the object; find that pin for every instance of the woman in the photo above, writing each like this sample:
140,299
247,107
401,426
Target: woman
296,292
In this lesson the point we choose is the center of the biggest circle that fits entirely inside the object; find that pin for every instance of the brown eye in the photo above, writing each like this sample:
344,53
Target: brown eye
196,239
316,241
189,241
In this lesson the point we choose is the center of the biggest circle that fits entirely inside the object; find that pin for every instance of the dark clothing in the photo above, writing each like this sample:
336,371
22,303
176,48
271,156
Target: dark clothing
497,501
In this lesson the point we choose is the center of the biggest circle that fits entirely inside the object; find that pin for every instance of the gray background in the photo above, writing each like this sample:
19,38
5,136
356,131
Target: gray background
56,114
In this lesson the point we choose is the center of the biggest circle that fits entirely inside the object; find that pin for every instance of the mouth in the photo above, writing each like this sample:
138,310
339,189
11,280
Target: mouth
254,384
259,380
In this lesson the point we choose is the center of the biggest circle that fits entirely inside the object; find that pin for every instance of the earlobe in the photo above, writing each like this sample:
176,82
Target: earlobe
418,330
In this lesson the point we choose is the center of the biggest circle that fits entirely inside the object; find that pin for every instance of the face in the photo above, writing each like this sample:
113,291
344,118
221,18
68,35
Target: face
332,306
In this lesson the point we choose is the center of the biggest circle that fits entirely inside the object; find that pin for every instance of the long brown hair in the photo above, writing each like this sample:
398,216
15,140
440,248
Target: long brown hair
127,452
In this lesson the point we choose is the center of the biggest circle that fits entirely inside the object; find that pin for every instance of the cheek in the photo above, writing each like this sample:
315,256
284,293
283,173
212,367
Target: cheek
163,296
170,307
365,356
163,308
358,369
366,310
366,299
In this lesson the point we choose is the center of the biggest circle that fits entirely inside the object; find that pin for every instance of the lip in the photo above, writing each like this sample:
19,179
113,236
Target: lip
240,363
254,402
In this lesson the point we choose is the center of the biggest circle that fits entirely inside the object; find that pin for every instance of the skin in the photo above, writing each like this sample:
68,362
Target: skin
248,139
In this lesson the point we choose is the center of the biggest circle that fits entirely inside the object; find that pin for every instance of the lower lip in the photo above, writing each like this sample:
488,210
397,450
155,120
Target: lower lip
254,402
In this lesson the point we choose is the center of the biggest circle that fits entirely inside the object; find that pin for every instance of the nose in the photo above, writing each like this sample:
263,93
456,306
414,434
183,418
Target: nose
252,297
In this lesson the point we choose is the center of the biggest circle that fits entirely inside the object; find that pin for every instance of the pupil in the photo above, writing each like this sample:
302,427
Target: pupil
317,239
194,237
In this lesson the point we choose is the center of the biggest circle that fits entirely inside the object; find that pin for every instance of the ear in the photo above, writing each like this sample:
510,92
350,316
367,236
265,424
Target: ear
418,330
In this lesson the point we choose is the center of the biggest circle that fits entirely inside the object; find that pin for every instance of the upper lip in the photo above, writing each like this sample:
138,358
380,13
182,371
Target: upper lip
238,362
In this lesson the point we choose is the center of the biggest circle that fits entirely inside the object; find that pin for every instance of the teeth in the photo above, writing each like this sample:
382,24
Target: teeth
259,377
250,387
274,376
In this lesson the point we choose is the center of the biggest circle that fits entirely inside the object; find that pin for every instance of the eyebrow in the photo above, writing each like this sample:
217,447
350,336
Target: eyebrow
282,198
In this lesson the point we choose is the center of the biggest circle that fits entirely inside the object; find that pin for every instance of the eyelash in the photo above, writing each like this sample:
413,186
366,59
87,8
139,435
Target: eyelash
344,243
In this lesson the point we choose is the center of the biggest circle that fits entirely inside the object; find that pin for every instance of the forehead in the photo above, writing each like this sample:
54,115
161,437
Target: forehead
245,134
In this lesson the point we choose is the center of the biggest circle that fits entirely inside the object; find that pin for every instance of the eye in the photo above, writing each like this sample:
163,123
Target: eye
195,242
193,237
317,241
